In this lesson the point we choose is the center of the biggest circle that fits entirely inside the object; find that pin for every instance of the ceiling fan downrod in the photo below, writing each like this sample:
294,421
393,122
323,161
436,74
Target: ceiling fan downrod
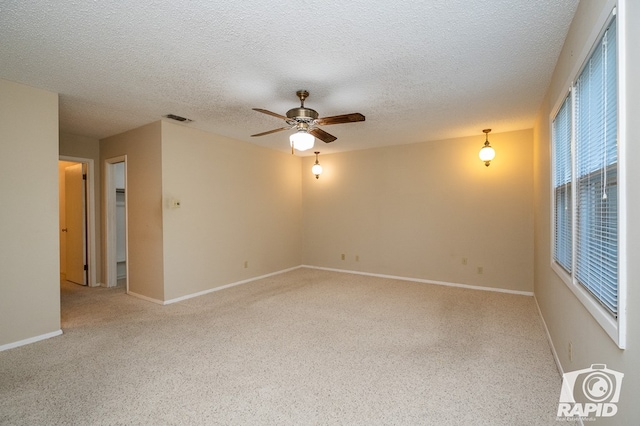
302,94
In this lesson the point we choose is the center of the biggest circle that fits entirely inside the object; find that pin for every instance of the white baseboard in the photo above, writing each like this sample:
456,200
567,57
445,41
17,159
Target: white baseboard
395,277
553,348
211,290
420,280
148,299
30,340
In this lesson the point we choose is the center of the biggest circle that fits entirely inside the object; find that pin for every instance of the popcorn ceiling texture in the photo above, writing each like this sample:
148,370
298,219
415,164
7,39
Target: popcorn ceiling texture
418,71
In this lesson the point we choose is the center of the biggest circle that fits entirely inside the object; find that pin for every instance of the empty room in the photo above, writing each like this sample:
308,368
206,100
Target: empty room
319,213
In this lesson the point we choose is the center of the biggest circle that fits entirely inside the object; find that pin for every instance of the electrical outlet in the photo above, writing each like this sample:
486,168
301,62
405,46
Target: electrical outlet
342,256
357,258
246,264
480,270
464,260
570,351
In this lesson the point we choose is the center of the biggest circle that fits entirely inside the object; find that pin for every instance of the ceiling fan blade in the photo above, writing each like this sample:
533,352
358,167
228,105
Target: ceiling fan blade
271,131
322,135
340,119
264,111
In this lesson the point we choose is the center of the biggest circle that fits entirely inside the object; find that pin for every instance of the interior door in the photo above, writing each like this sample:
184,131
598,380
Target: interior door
75,217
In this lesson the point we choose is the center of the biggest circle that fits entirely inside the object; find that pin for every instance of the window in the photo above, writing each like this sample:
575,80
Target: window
585,184
596,137
563,214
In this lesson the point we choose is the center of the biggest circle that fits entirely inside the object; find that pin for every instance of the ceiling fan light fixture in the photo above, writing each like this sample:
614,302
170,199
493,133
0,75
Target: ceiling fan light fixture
301,140
306,122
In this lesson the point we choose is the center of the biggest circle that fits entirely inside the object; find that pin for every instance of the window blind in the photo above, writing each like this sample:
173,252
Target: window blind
596,216
563,214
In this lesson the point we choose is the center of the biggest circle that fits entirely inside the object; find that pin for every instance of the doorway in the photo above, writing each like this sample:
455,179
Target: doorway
116,223
77,228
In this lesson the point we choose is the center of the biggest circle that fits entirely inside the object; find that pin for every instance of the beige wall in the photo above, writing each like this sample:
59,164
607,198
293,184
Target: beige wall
142,146
238,202
29,253
418,210
80,146
565,316
89,148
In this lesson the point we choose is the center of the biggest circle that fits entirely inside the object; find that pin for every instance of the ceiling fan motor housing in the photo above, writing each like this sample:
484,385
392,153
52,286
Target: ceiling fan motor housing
302,114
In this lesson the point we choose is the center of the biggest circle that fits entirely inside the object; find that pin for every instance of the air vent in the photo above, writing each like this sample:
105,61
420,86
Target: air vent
178,118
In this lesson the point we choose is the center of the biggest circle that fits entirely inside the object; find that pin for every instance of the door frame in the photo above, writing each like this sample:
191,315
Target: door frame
110,227
90,215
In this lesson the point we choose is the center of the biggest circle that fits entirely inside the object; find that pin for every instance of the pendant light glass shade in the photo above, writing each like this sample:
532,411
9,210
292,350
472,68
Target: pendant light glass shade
487,153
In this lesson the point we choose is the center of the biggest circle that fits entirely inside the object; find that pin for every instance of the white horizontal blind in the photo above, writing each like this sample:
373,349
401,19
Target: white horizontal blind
596,245
563,213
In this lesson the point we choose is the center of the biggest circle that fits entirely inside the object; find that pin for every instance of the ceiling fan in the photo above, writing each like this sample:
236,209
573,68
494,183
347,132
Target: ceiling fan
306,122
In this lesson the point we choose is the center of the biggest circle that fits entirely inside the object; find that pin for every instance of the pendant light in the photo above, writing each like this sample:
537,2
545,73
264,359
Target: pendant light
487,153
317,168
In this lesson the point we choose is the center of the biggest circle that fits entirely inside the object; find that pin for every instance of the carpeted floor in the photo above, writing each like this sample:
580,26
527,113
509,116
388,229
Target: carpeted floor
307,347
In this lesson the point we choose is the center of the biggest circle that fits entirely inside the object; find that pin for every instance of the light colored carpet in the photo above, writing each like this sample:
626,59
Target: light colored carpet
304,347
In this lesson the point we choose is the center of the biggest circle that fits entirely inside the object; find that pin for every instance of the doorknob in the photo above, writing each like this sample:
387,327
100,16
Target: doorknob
64,229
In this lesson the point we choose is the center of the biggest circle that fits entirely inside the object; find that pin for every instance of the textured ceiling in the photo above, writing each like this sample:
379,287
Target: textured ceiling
418,70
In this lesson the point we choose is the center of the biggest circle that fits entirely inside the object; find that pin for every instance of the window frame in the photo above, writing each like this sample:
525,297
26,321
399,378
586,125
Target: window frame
615,327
